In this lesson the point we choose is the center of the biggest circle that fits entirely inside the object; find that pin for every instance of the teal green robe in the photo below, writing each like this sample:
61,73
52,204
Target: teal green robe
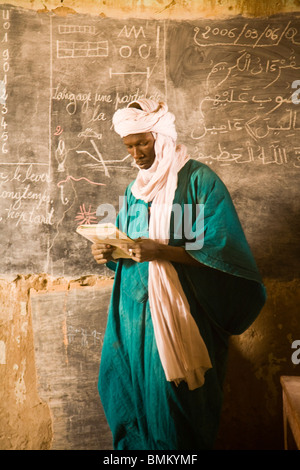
225,293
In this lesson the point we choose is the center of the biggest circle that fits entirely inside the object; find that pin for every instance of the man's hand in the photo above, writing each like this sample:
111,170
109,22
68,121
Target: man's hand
102,252
144,249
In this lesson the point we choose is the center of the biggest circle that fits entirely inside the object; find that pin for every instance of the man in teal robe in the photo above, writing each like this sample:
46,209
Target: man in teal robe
225,293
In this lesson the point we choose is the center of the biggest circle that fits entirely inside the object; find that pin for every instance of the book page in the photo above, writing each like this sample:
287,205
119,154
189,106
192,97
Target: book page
106,233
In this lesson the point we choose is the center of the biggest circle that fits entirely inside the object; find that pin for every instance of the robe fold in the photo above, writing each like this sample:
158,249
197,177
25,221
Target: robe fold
225,294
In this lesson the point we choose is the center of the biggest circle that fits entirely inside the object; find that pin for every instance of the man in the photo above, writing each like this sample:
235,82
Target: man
191,282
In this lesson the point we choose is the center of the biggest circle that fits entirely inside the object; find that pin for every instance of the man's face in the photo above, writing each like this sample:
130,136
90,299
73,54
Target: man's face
141,148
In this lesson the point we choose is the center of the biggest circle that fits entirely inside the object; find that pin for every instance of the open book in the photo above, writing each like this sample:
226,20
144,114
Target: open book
107,233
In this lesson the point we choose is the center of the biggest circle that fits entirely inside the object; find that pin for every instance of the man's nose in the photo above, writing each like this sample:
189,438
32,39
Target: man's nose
135,153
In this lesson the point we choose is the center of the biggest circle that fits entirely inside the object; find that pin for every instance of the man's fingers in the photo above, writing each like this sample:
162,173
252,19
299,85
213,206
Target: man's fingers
101,248
102,253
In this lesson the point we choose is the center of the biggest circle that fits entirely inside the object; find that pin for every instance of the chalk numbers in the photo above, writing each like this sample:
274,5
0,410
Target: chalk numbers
58,131
209,31
248,35
3,95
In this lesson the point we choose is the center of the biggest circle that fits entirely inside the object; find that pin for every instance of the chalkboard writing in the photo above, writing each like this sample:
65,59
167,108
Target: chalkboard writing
243,93
231,84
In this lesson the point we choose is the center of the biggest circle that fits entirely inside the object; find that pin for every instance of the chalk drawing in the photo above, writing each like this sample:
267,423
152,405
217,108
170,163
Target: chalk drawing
85,216
143,72
69,29
61,155
73,49
99,157
5,66
84,336
124,32
69,177
89,132
3,95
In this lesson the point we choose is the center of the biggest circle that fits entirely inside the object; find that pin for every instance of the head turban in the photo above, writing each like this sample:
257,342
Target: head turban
181,348
154,117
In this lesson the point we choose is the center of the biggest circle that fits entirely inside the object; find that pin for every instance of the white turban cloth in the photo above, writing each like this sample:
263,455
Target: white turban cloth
182,351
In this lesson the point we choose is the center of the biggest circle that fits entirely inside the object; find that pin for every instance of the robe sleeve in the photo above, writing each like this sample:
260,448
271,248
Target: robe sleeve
227,284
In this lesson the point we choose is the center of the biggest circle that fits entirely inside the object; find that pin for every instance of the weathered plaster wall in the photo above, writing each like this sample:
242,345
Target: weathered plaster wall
252,414
25,422
162,8
252,409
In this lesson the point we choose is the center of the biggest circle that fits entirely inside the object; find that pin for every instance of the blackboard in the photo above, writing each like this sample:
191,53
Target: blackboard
229,83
